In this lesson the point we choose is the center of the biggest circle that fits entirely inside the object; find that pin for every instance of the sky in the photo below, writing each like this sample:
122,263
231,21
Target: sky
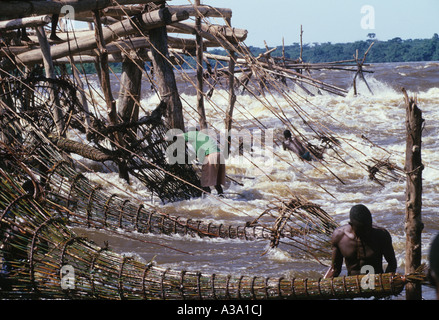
335,21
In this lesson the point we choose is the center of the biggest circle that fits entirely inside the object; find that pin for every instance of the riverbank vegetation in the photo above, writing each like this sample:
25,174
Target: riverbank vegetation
394,50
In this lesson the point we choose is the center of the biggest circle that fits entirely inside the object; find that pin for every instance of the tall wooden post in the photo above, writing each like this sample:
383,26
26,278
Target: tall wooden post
129,100
199,51
106,88
164,73
130,88
232,96
232,100
103,66
413,169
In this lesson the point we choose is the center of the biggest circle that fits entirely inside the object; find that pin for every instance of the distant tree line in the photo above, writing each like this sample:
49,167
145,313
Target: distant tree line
394,50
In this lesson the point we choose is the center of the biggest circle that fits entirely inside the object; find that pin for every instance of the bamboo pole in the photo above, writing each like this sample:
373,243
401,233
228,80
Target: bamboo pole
413,169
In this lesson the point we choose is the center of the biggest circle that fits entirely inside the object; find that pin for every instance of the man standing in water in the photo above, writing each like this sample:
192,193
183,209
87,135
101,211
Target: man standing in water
361,244
213,171
293,144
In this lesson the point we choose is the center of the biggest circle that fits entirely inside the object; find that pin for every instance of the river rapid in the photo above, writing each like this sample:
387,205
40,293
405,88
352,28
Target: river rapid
279,174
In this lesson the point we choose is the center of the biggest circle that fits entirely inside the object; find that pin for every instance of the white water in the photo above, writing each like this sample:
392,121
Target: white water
380,117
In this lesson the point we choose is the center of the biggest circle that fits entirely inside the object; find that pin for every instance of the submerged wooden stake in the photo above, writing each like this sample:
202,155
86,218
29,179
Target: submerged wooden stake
413,168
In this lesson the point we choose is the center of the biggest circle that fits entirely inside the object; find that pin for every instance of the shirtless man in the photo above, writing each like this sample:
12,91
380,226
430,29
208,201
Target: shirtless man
433,271
293,144
361,244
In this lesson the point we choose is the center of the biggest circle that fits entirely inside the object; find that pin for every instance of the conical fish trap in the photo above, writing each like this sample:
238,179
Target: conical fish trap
44,259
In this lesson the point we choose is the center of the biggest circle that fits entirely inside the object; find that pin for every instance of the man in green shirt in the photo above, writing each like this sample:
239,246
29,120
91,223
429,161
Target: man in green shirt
213,171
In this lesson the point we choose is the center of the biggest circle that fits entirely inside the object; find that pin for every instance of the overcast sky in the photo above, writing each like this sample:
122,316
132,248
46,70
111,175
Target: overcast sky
329,21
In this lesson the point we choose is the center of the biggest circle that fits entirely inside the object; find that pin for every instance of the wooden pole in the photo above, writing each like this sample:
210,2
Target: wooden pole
125,27
206,11
50,73
413,169
106,88
17,9
199,54
354,82
25,22
130,88
104,69
129,100
301,44
232,97
81,96
164,73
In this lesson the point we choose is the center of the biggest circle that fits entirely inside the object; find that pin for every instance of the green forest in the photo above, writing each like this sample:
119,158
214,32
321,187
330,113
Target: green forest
394,50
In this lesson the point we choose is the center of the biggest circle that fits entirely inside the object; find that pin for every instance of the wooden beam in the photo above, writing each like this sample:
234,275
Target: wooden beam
149,20
209,55
17,9
234,35
25,22
88,59
218,41
205,11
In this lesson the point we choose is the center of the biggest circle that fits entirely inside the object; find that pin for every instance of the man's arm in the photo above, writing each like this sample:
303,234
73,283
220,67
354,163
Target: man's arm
389,252
337,257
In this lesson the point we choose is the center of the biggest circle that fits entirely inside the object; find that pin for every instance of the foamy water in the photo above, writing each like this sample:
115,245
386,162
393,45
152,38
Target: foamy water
279,174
